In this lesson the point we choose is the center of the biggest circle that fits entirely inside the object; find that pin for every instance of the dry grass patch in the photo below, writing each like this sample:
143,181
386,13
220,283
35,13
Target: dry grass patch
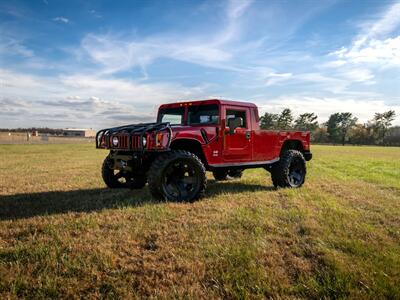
62,234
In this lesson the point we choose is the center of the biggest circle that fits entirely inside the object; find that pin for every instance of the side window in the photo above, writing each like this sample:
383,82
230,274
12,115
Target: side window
231,113
203,114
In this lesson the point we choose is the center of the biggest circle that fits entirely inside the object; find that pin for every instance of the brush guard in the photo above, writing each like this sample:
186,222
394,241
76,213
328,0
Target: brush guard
130,137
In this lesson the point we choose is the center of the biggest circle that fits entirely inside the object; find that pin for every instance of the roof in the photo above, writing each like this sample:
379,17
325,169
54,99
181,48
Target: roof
209,101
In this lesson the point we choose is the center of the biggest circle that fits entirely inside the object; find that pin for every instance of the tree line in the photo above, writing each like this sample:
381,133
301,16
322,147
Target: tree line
41,130
341,128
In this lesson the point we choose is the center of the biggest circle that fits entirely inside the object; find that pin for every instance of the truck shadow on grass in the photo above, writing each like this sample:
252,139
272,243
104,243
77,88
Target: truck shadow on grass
21,206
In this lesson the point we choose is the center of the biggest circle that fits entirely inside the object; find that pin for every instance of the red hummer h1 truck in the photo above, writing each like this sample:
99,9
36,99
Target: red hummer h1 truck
173,154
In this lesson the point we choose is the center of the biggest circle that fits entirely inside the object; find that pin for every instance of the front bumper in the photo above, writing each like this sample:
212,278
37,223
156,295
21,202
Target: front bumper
307,155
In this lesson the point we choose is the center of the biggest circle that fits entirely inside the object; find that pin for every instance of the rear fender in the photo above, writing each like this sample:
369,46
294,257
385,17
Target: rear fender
296,145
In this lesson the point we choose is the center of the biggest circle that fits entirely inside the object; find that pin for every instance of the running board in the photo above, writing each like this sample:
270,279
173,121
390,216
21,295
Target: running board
252,164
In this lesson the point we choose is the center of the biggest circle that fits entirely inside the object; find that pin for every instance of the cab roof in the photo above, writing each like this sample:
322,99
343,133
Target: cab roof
209,101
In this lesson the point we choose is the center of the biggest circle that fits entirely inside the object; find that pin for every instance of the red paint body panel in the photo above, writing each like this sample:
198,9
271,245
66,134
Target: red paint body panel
246,145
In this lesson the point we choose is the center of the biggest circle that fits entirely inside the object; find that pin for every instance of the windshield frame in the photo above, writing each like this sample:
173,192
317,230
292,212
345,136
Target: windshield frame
161,114
185,106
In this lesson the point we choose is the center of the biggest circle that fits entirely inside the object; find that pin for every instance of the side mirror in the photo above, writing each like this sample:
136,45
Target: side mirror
234,123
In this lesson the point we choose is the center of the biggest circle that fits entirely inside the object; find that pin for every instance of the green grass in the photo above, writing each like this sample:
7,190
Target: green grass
63,234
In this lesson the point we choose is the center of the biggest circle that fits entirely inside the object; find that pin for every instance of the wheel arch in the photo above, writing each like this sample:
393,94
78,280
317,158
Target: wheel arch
292,145
191,145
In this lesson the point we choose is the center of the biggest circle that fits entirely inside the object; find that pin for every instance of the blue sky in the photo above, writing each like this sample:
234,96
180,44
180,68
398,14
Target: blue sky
98,64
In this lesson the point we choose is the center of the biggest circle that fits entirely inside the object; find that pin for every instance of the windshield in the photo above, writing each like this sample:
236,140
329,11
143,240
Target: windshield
172,115
203,114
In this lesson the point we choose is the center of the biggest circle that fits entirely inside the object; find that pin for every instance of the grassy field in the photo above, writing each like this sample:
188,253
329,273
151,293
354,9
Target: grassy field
62,234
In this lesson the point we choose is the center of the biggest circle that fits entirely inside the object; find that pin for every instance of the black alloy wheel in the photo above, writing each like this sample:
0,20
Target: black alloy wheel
181,179
290,171
120,178
177,176
296,172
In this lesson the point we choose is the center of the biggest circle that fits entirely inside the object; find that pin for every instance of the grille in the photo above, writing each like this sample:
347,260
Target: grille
136,142
122,141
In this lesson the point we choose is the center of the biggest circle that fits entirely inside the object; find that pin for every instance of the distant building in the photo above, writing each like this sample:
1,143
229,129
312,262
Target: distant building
74,132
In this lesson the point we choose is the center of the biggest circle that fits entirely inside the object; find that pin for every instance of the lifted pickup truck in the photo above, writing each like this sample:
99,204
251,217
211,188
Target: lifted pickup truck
173,154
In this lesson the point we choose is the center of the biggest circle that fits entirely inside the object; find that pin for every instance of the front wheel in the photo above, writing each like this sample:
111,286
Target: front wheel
290,171
177,176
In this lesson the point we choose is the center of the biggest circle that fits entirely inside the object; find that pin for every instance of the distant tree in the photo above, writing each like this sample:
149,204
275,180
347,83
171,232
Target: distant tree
320,135
306,121
381,124
332,127
393,136
339,125
285,119
346,122
269,121
360,134
39,129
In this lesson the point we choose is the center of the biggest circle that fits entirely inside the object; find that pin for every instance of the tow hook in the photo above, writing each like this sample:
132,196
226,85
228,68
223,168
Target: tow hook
123,164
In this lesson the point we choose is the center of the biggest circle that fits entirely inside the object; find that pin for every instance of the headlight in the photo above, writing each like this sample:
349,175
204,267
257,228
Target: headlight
115,141
144,141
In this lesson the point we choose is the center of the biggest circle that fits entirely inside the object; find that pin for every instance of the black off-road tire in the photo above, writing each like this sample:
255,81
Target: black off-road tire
111,180
290,171
220,175
108,175
158,176
235,173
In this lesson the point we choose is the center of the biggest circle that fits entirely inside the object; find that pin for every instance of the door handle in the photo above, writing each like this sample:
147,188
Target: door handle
248,135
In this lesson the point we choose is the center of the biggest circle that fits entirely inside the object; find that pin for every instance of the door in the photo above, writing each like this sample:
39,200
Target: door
238,145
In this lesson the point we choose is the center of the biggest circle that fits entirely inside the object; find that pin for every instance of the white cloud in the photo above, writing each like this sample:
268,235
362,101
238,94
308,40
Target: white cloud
119,53
385,52
61,19
387,22
275,78
83,97
236,8
95,13
13,46
116,54
334,63
357,75
74,97
373,45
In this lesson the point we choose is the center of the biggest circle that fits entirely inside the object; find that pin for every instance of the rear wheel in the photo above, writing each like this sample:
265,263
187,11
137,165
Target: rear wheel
120,179
112,178
177,176
290,171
